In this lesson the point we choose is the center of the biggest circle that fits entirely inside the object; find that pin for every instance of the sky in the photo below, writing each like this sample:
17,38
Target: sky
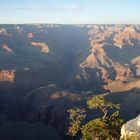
70,11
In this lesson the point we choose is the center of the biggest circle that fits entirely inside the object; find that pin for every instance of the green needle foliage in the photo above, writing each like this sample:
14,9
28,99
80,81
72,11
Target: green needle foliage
98,102
105,128
76,117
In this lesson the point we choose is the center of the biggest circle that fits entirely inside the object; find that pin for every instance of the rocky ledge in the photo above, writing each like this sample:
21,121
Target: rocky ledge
131,129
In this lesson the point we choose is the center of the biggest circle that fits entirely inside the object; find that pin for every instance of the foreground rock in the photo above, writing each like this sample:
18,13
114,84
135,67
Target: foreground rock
131,129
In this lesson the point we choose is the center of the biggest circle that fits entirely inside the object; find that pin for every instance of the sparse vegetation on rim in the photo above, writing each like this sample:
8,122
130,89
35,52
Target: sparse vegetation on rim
106,127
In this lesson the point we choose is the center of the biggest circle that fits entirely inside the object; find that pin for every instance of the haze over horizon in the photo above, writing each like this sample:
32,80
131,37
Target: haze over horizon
70,12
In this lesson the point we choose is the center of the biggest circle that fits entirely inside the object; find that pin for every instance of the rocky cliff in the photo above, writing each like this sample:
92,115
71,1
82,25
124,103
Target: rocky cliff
7,49
131,129
105,55
7,76
43,46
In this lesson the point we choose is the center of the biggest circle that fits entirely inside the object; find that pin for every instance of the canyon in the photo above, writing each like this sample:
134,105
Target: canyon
46,69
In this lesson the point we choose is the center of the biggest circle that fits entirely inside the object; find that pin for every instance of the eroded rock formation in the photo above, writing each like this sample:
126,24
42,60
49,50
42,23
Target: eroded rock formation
7,49
136,63
7,76
125,37
122,71
30,35
3,31
114,36
43,46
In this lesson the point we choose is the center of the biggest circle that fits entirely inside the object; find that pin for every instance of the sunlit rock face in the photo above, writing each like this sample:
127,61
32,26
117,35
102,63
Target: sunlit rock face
7,76
131,129
43,46
125,37
6,48
3,31
98,60
122,71
115,38
136,63
30,35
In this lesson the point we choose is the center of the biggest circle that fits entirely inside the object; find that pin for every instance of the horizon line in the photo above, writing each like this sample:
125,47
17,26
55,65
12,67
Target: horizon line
71,23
